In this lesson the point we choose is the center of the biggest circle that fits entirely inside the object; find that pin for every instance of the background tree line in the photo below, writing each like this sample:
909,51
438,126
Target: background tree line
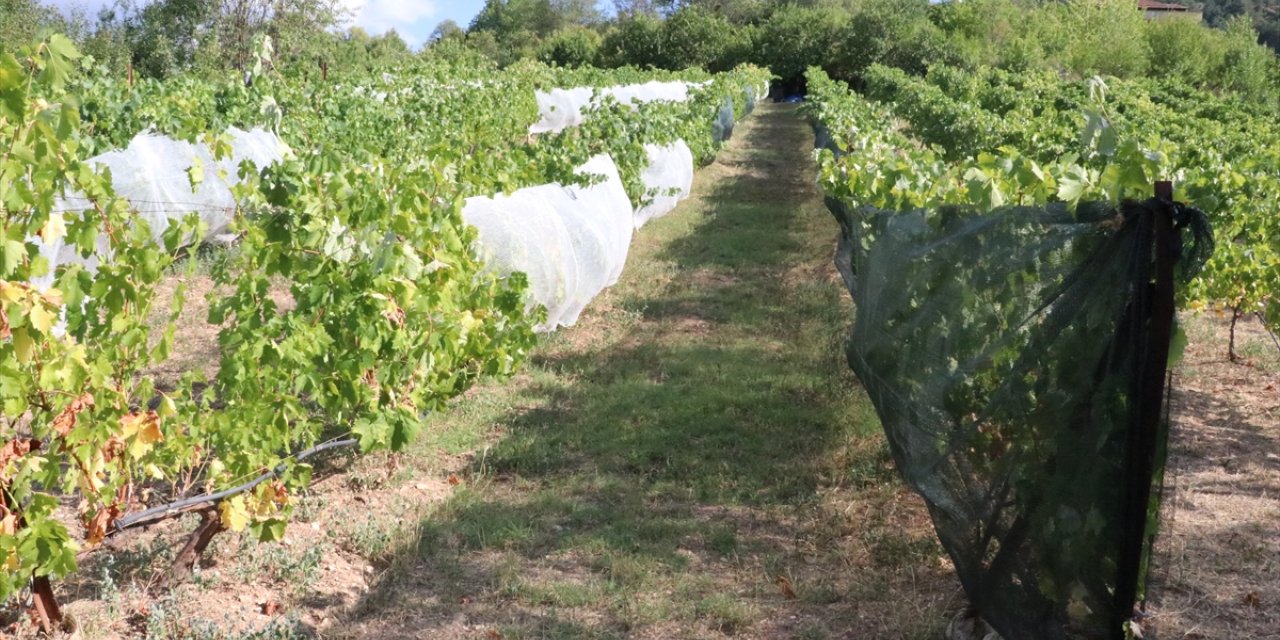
1076,37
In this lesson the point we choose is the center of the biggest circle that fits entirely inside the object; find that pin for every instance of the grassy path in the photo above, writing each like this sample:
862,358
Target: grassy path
693,460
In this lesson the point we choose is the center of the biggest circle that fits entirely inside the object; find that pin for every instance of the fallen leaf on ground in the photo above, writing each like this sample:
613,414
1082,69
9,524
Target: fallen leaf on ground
788,589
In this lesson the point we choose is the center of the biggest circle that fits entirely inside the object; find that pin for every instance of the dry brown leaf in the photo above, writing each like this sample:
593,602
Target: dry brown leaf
112,448
9,521
66,421
788,589
454,479
16,448
96,527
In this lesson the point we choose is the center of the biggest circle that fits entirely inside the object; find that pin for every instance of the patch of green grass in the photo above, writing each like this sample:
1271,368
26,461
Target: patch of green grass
296,568
811,632
724,612
378,540
1261,352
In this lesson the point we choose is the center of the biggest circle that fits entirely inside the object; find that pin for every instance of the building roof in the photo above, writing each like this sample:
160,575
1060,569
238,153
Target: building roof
1153,5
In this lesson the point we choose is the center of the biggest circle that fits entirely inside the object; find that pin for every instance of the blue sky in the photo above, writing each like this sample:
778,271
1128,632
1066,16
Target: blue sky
414,20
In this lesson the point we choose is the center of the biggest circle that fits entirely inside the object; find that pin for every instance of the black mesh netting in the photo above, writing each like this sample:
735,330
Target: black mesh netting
1017,359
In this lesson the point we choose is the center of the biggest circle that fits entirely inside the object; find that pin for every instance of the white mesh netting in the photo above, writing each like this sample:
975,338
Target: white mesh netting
571,241
560,109
152,175
667,179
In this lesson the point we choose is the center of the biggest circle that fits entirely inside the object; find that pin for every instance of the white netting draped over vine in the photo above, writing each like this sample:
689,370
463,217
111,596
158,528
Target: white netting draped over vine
560,109
668,179
570,241
155,175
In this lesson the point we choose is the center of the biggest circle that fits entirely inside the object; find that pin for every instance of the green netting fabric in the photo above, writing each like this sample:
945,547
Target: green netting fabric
1007,354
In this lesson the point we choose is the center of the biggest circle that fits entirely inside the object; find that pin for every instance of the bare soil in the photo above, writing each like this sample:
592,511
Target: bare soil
1218,571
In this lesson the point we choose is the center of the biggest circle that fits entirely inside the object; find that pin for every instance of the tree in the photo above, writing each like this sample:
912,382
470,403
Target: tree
21,22
573,47
735,11
167,36
696,37
635,40
540,17
626,9
445,31
795,38
898,33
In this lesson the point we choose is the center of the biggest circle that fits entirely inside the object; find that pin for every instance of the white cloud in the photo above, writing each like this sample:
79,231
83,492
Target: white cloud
412,19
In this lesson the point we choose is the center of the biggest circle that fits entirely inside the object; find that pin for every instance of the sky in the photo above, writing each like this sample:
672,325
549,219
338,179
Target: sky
414,20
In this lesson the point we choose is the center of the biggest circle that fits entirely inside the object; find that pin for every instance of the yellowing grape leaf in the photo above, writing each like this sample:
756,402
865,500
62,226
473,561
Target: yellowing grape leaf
270,496
23,345
11,291
234,514
41,319
141,430
167,406
54,229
